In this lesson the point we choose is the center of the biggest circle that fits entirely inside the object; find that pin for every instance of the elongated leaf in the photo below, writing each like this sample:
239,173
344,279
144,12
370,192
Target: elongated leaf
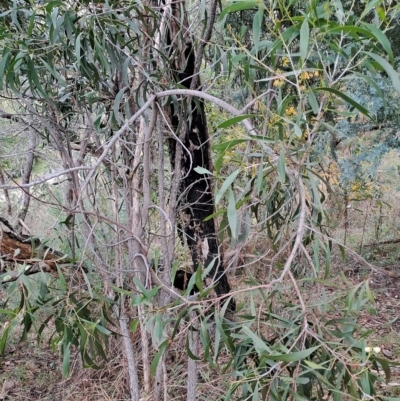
312,100
52,4
235,120
313,365
202,170
227,183
53,72
281,166
117,102
87,281
78,49
259,344
240,6
3,62
3,339
223,147
189,351
369,292
393,74
348,99
158,329
294,356
371,82
257,21
370,6
381,38
304,38
386,368
232,217
157,356
66,358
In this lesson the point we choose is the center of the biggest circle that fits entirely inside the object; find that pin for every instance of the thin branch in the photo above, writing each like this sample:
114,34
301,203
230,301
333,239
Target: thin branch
203,42
26,176
146,166
45,178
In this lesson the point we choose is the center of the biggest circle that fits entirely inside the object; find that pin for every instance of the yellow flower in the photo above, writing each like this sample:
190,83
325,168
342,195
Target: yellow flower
285,62
290,111
304,75
278,83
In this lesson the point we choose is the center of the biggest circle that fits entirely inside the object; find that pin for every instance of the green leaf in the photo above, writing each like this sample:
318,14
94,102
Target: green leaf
52,4
386,368
189,351
370,6
89,287
3,339
257,21
227,184
78,49
304,38
202,170
259,344
371,82
117,102
381,38
239,6
312,100
232,217
66,358
342,252
348,99
393,74
314,366
53,72
157,356
102,329
234,120
369,292
327,263
121,290
3,63
281,166
134,325
197,277
158,329
294,356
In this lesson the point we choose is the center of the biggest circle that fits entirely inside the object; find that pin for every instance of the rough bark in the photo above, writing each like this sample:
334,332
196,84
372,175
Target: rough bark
6,194
22,249
196,199
26,176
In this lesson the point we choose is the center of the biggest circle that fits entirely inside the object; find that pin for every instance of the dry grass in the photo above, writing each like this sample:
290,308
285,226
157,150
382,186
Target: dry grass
29,372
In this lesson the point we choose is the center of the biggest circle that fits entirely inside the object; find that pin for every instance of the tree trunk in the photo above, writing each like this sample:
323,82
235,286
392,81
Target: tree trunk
197,200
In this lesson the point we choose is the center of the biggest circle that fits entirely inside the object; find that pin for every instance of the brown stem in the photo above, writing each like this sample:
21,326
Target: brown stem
26,198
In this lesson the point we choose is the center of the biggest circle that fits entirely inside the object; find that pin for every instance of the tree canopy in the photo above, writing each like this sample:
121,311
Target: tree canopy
161,140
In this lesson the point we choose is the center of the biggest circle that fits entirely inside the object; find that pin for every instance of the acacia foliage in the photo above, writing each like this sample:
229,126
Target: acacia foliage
81,70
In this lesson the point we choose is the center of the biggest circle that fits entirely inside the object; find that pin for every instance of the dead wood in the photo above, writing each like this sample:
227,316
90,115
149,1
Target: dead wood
17,249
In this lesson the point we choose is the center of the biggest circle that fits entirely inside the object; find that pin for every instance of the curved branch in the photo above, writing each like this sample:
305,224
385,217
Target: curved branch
184,92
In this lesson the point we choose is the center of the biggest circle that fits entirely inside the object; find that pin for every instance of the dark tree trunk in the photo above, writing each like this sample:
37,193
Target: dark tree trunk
197,200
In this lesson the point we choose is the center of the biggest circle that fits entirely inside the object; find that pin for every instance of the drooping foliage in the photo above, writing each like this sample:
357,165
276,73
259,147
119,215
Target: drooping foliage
112,91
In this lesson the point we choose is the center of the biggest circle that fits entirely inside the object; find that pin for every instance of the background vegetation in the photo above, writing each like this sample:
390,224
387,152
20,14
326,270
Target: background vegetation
261,138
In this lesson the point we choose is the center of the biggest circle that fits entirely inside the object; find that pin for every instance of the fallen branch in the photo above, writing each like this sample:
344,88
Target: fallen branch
388,242
22,254
27,270
29,250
